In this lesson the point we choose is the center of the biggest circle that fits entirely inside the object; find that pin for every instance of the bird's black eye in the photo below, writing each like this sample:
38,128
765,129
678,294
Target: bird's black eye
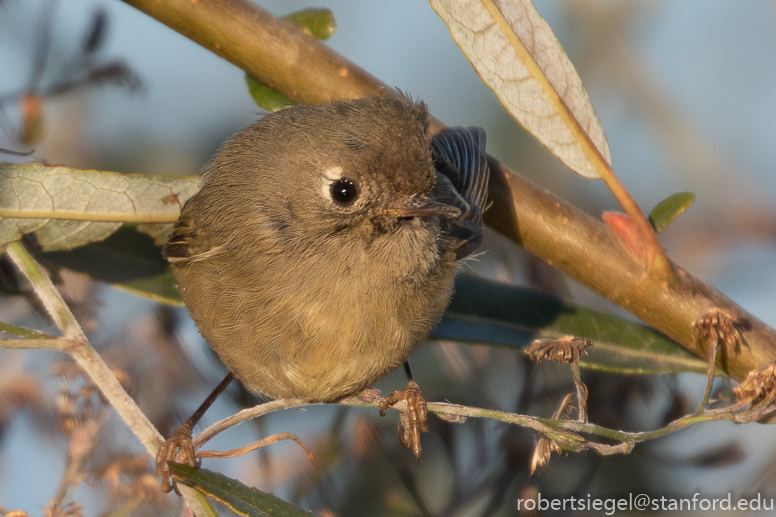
344,192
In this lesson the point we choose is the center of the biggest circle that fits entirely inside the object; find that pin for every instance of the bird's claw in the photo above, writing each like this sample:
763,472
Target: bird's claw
412,421
177,448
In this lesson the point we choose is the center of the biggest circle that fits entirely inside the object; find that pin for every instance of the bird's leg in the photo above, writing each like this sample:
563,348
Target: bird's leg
414,420
179,447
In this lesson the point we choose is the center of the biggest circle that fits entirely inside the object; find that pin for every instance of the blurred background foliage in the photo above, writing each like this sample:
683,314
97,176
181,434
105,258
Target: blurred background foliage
686,92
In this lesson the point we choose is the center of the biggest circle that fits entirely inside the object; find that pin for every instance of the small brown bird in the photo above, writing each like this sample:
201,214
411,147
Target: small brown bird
322,247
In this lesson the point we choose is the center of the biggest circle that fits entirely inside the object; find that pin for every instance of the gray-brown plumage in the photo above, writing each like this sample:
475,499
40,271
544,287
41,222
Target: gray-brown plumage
321,248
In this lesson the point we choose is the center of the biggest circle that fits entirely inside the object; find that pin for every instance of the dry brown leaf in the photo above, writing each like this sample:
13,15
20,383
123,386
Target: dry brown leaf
516,53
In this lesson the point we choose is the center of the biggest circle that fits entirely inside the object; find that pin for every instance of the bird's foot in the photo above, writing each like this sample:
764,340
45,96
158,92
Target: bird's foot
413,420
177,448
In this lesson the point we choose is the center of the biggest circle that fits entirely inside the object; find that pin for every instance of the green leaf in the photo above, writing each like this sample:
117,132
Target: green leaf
487,312
317,22
669,209
160,288
238,497
128,260
8,328
267,97
67,207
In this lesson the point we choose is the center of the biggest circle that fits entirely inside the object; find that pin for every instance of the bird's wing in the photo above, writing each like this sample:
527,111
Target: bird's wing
186,245
459,154
462,180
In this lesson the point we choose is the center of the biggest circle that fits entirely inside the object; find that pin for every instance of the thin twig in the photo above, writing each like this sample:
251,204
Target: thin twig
91,362
270,440
61,344
83,353
710,373
581,390
567,431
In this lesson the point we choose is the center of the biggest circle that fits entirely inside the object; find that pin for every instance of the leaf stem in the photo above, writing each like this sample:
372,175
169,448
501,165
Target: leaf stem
658,265
122,217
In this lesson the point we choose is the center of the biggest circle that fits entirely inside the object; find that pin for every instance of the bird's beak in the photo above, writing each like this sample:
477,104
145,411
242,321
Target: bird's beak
418,207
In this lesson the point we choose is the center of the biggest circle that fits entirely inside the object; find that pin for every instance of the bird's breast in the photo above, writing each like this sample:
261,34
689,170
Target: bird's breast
326,323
